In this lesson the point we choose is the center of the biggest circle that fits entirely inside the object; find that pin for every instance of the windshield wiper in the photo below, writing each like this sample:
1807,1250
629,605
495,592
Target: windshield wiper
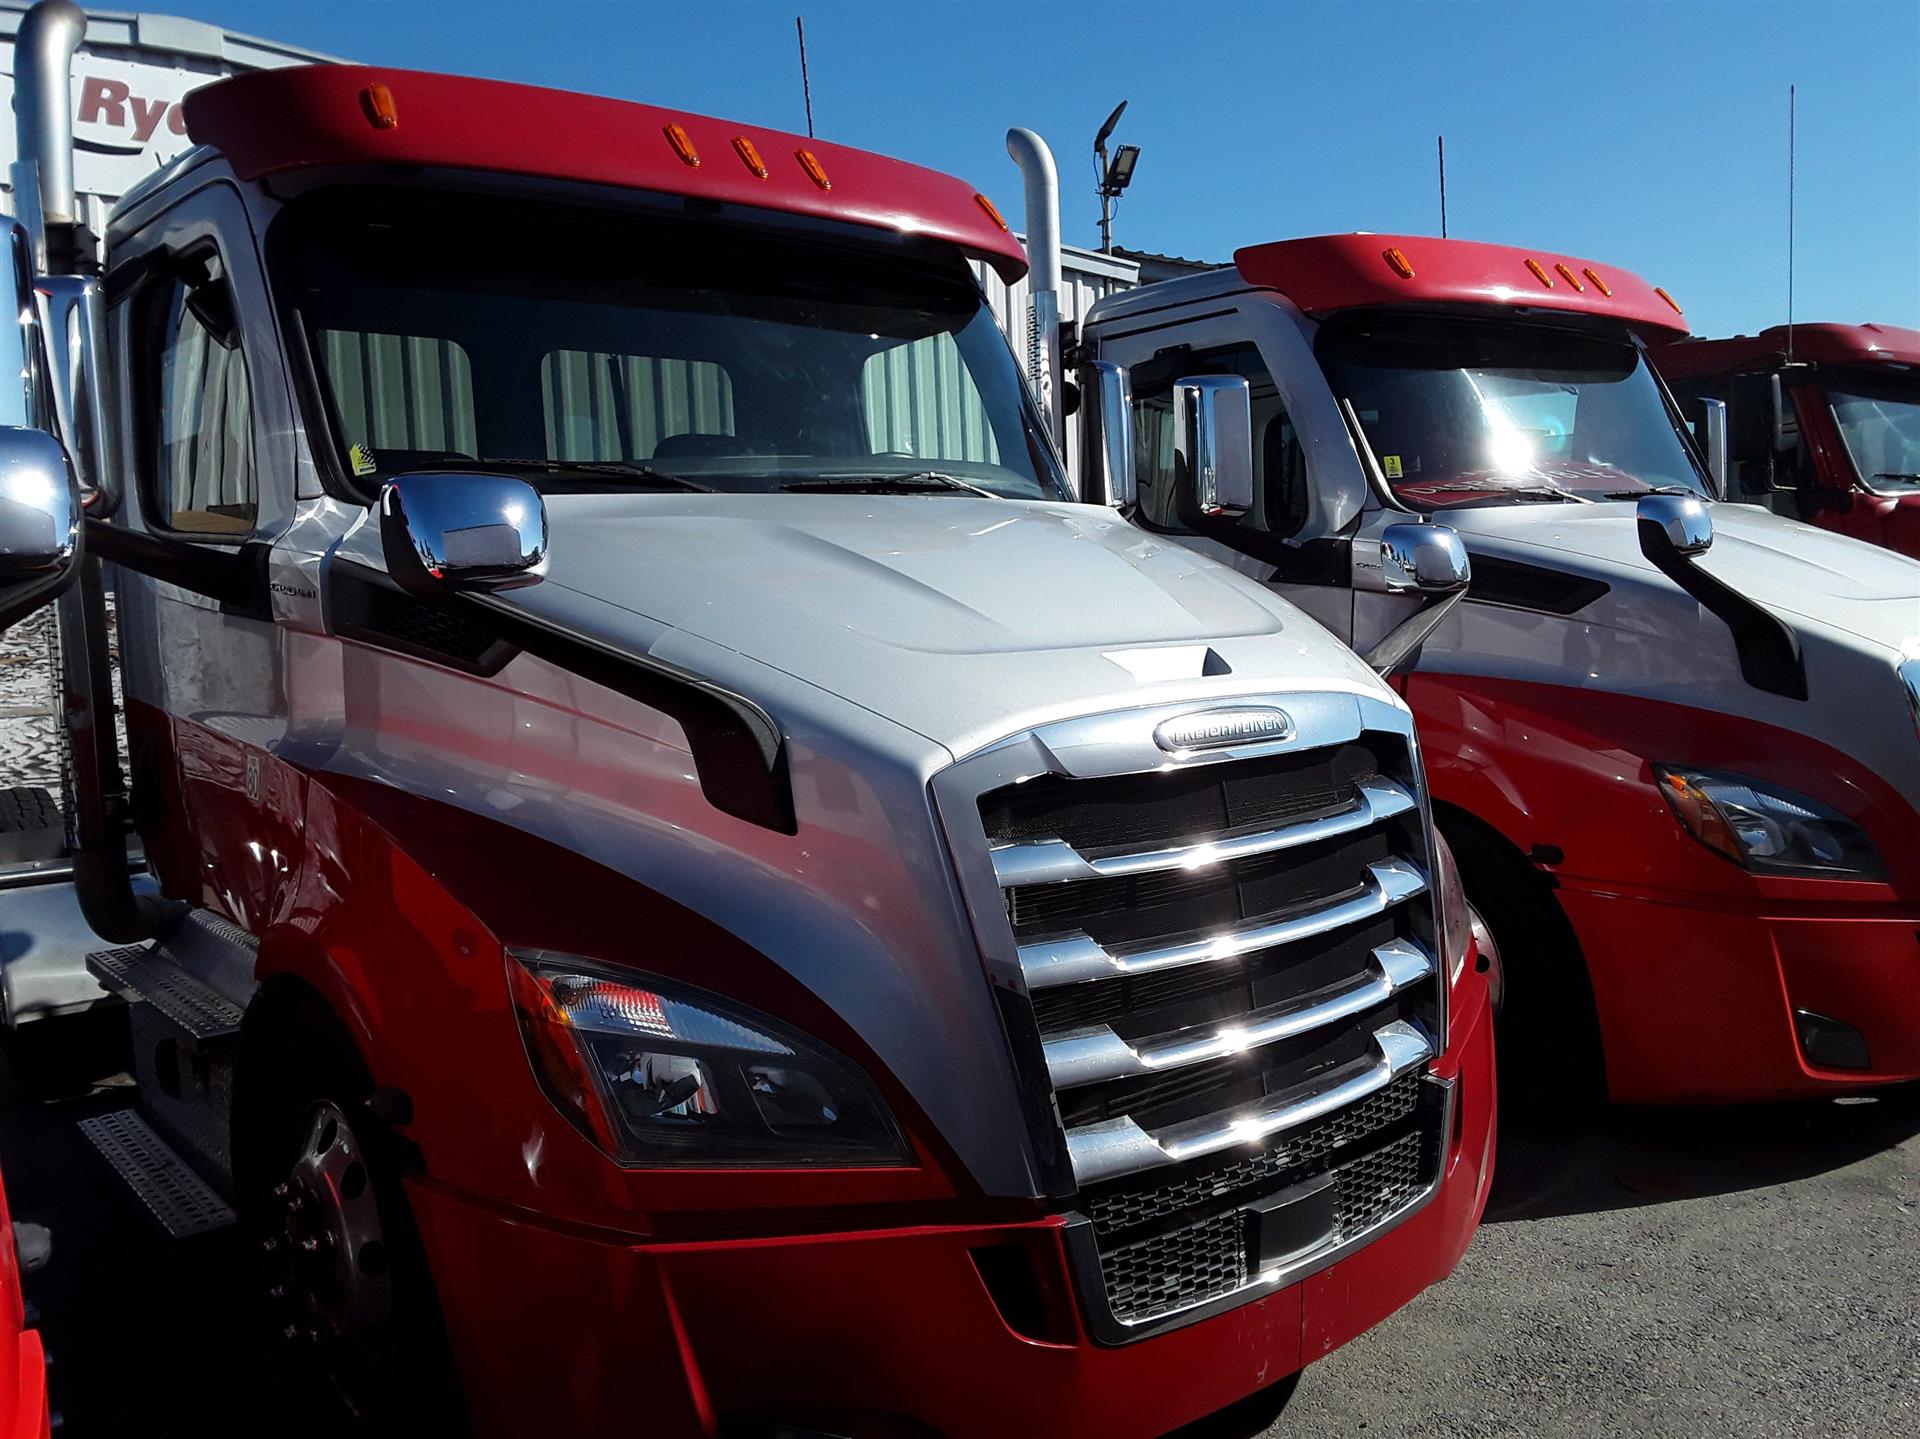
923,482
621,469
1518,492
1654,490
1896,475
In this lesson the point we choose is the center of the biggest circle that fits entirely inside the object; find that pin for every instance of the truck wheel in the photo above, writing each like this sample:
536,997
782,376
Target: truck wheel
31,825
1548,1031
345,1276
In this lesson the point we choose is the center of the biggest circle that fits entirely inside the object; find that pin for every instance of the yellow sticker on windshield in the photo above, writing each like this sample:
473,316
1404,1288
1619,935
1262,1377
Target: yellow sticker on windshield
361,458
1390,465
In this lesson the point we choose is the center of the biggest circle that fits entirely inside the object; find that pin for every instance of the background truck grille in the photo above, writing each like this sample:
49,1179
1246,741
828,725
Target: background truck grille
1234,972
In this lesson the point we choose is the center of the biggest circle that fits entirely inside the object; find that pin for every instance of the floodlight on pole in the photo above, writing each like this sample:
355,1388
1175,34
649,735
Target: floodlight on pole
1113,175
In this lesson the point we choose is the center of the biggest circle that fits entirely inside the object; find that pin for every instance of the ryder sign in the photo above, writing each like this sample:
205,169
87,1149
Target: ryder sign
127,120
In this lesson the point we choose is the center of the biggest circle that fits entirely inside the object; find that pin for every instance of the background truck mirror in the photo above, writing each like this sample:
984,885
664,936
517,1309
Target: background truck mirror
1781,416
1711,431
1107,438
1213,444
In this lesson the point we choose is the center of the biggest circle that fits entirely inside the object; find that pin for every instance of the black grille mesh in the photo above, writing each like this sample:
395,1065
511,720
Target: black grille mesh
1115,1208
1375,1185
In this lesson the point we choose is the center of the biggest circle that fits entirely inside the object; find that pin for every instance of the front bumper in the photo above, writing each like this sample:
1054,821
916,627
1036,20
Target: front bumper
894,1331
1697,1000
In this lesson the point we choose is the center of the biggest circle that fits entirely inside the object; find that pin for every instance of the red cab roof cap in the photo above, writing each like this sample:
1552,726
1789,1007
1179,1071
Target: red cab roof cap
1326,273
271,121
1819,344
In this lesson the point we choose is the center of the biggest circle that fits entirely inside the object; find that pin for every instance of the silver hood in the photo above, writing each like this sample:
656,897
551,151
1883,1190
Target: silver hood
962,619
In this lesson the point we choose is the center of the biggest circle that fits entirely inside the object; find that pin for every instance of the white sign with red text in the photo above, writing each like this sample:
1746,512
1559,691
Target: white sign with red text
126,118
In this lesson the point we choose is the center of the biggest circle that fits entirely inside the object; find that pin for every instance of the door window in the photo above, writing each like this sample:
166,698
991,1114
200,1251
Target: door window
203,478
1279,462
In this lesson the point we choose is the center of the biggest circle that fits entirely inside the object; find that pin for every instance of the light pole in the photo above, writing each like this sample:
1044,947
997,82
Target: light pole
1113,175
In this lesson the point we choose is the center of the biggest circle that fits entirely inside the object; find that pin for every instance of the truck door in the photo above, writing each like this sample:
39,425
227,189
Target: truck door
206,443
1260,543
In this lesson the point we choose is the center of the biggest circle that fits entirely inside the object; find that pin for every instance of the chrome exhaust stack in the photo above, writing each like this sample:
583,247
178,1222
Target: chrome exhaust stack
1042,194
50,35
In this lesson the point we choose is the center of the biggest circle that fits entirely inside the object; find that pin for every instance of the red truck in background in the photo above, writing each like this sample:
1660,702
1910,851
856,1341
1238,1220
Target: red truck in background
1823,423
24,1413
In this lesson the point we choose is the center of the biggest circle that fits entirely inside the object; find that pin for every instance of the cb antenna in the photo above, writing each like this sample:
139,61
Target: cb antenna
806,90
1441,141
1790,177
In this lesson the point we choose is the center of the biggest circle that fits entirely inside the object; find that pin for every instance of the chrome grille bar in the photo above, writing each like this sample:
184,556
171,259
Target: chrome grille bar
1052,861
1077,958
1092,1055
1117,1147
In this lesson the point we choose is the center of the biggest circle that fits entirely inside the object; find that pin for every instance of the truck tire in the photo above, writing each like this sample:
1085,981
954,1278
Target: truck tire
31,825
317,1173
1548,1031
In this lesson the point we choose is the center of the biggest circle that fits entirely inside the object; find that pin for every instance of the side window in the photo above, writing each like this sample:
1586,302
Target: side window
630,407
398,399
920,400
1279,462
202,477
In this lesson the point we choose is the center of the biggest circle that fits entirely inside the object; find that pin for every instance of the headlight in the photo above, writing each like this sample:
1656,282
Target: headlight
662,1074
1456,920
1766,829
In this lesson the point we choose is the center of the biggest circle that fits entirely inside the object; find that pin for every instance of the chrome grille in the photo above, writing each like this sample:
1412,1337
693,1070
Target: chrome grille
1230,963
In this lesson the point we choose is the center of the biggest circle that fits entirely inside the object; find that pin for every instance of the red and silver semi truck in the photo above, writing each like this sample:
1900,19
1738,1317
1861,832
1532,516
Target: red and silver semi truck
697,888
1823,423
1675,743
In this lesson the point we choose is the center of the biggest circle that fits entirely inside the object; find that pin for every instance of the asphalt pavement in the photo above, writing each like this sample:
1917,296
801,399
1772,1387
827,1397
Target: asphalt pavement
1685,1272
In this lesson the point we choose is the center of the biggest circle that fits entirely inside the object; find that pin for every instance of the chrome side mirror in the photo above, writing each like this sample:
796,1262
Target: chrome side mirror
442,533
39,522
1421,558
1672,525
1106,439
75,327
1213,443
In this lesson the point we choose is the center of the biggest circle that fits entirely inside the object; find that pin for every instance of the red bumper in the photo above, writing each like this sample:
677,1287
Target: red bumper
1696,1003
891,1332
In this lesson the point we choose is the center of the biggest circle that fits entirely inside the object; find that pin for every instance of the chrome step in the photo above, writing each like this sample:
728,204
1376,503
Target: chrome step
141,973
183,1202
1054,861
1096,1053
1116,1147
1077,958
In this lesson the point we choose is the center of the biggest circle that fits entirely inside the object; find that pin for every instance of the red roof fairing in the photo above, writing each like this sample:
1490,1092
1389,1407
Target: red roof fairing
278,120
1342,272
1818,344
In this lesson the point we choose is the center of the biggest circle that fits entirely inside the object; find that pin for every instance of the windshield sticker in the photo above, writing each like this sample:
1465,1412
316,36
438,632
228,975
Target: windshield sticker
361,459
1390,464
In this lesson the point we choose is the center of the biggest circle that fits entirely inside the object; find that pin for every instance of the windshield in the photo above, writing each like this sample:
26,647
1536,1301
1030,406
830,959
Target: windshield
595,349
1880,423
1467,412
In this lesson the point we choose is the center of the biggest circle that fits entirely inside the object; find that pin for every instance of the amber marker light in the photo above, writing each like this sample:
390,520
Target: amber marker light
1539,273
750,157
813,168
1398,262
1567,275
1671,305
1598,283
992,214
682,145
377,102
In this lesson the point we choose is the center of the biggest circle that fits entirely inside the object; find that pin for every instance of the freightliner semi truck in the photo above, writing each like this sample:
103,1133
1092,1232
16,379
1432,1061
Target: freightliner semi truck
1823,423
1675,744
697,887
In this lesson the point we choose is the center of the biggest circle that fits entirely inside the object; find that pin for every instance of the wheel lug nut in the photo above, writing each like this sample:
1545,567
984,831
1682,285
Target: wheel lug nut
310,1245
270,1245
278,1291
281,1191
295,1204
290,1333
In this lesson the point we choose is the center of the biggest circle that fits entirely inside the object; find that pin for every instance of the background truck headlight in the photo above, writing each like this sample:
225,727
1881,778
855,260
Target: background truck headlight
657,1073
1766,829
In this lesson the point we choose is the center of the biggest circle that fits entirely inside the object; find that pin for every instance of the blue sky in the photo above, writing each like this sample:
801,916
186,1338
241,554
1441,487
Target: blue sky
1650,136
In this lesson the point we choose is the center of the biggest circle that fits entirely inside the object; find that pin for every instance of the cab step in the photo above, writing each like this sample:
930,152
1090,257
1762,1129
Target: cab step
138,972
183,1202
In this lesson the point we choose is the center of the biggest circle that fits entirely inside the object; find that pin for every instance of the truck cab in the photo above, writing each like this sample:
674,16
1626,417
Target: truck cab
695,880
1823,423
1673,741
